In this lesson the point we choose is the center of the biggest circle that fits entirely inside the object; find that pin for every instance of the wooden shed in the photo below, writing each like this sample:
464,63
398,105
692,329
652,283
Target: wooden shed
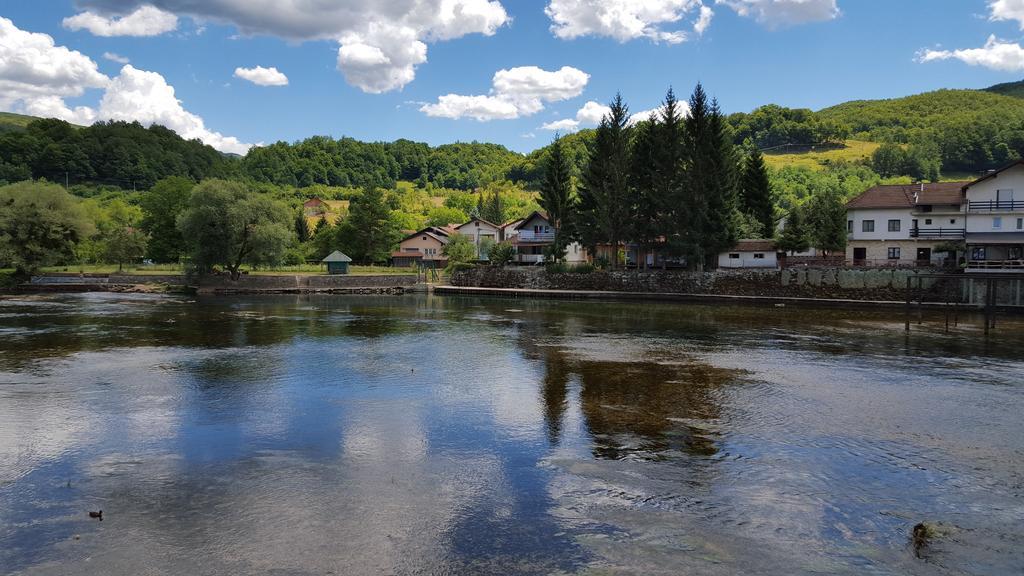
337,263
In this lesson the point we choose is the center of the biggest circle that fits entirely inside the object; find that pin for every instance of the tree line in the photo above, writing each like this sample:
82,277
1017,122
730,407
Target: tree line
676,183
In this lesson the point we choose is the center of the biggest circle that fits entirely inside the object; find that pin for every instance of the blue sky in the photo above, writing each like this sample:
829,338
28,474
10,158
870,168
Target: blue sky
798,53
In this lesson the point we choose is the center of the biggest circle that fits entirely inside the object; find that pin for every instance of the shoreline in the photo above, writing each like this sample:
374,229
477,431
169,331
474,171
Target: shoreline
601,295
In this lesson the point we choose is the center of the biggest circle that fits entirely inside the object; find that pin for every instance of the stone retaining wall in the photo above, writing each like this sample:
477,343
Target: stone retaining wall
246,283
859,284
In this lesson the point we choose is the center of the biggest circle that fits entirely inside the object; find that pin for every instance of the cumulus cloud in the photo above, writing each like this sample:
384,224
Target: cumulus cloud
36,77
625,21
144,21
262,76
32,66
380,43
776,13
116,58
515,92
1007,10
592,113
996,54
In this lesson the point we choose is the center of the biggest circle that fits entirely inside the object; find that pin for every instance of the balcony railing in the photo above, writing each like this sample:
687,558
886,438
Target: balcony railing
996,206
531,236
996,265
938,232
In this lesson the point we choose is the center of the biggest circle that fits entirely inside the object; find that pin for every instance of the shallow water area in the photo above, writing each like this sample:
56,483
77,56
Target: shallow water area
450,435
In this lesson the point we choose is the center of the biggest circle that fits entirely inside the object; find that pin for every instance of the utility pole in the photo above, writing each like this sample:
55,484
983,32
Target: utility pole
66,181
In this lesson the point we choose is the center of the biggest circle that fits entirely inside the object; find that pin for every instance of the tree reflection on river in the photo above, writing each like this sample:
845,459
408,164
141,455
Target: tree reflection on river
400,435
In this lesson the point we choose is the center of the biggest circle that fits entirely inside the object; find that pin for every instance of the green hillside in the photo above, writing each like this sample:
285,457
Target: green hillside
10,121
1014,89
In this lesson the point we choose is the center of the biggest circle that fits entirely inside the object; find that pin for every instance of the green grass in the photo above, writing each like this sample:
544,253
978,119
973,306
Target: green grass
304,269
11,121
819,158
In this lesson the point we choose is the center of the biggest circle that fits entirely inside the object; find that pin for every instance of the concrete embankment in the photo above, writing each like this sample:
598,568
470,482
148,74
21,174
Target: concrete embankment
826,287
247,284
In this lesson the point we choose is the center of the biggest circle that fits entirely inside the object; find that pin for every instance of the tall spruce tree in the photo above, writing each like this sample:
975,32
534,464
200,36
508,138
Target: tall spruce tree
756,193
556,197
644,206
368,233
493,208
794,237
826,219
668,173
302,227
708,201
604,197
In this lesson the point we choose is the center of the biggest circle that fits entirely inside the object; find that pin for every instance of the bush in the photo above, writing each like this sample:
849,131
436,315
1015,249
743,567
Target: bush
585,268
556,268
460,267
501,254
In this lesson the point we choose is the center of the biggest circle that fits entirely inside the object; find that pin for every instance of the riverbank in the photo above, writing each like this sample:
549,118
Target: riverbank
246,284
609,295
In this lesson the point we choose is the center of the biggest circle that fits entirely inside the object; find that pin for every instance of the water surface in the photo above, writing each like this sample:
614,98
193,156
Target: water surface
427,435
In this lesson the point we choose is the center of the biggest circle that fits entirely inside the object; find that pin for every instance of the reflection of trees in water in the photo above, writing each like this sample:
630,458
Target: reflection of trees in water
635,408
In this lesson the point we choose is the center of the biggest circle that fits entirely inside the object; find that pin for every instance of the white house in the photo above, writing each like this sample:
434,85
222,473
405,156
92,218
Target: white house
995,220
750,254
904,224
482,233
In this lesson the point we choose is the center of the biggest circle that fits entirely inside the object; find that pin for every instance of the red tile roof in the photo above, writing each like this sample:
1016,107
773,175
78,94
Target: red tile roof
902,195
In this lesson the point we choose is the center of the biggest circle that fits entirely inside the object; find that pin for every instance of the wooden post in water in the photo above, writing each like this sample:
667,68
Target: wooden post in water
906,310
988,303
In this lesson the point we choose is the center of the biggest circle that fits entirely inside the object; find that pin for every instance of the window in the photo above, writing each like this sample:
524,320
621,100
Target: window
894,225
867,226
758,256
849,226
1005,195
1020,223
734,256
894,253
997,222
978,253
927,221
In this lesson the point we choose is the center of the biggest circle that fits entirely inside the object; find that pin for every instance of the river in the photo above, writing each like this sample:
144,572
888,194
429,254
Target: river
295,435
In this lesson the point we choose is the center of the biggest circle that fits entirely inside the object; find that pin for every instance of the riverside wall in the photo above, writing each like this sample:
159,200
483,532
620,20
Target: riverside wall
391,284
826,283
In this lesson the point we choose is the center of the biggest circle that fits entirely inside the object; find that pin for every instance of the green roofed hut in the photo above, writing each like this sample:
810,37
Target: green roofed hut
337,263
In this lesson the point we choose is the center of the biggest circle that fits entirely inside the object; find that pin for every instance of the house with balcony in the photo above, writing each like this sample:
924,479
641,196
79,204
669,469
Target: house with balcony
905,224
995,220
533,234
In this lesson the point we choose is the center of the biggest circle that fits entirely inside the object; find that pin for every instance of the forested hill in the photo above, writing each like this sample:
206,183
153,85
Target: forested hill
959,131
1015,89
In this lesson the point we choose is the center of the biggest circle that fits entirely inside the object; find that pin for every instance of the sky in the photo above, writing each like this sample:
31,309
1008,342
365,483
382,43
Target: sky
515,72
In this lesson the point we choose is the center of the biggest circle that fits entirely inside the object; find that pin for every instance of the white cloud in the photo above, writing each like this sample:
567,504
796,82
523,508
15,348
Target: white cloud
144,21
36,76
1007,10
564,125
624,21
592,113
996,54
380,42
262,76
32,67
515,92
116,58
146,97
775,13
482,108
704,20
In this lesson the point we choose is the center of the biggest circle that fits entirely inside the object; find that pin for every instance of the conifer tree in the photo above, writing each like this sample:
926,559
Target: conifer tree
368,234
644,206
668,172
826,219
302,227
794,236
604,207
756,193
556,197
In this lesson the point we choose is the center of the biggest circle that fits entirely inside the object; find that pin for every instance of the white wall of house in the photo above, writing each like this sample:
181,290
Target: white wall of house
879,219
536,228
1004,187
479,231
748,259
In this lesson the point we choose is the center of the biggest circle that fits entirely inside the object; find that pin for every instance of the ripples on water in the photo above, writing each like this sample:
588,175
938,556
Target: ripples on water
416,435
